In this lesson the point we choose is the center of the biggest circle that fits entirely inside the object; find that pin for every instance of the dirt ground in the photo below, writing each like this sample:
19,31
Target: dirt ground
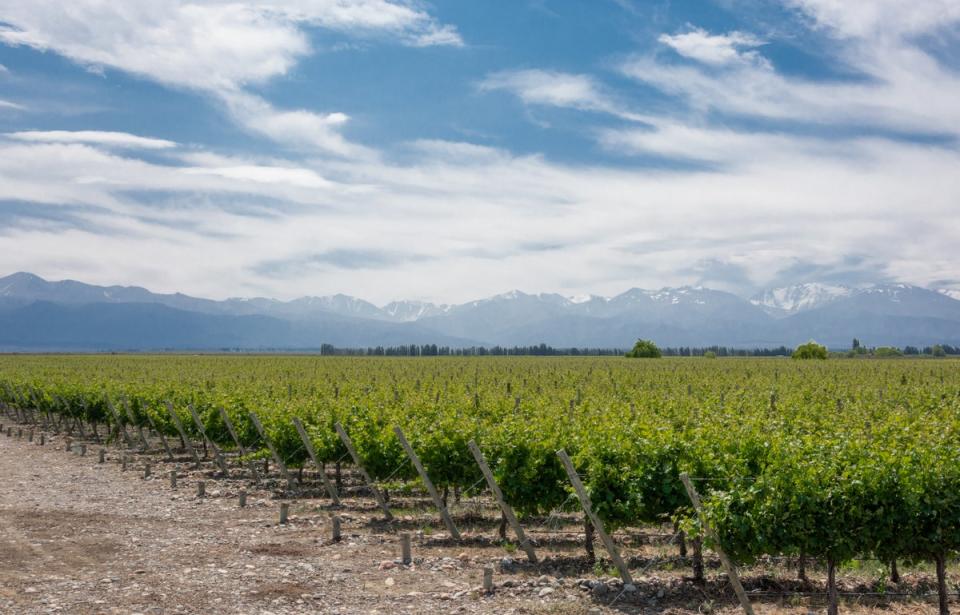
78,536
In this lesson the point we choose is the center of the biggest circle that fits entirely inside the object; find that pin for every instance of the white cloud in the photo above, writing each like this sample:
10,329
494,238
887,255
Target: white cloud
210,46
206,44
722,146
299,128
439,35
298,177
881,18
459,217
218,46
557,89
96,137
412,25
714,49
899,86
457,151
466,220
548,88
6,104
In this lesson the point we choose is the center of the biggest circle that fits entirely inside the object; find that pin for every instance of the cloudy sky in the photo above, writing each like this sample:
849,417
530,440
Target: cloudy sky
454,149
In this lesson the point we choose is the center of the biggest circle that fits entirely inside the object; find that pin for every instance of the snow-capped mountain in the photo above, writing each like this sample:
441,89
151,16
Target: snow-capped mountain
901,299
410,311
41,314
341,304
792,299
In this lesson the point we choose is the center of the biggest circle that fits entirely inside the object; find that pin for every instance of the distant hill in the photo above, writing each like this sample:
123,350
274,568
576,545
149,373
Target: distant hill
36,314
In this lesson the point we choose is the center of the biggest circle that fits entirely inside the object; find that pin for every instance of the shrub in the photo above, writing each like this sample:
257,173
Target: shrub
810,350
644,349
887,351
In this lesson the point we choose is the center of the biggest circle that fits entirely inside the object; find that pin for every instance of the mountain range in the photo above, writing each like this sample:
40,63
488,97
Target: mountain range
36,314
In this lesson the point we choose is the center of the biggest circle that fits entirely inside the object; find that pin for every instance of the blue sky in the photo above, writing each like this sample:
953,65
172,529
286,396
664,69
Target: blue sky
451,150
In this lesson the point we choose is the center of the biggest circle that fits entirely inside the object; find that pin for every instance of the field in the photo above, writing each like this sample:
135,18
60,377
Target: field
824,481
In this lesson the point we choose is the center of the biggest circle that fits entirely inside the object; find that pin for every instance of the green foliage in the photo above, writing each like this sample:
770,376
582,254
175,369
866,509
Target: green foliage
887,352
838,460
644,349
810,350
709,355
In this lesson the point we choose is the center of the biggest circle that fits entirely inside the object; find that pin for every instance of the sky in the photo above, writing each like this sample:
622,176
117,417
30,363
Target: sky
451,150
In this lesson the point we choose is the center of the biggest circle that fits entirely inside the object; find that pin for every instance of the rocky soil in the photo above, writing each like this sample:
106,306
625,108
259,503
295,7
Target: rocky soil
79,536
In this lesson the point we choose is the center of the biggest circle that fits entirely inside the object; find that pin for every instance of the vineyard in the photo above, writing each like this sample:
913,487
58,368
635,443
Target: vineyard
818,463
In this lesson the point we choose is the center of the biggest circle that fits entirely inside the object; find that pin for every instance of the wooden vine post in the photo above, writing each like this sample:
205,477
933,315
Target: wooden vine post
183,434
308,444
504,507
163,438
243,450
728,566
273,450
122,430
437,501
217,455
597,524
129,411
348,443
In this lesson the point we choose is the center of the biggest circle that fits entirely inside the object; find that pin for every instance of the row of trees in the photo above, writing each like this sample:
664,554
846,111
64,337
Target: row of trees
433,350
938,350
811,350
646,349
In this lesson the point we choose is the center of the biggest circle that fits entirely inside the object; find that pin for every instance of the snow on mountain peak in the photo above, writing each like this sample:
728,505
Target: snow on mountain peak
410,311
800,296
577,299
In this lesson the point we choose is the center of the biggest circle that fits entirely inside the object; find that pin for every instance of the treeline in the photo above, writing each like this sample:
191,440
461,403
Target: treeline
722,351
932,350
541,350
432,350
938,350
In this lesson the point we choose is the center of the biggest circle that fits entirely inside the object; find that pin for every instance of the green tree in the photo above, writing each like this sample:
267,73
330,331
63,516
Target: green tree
887,351
644,349
856,348
810,350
